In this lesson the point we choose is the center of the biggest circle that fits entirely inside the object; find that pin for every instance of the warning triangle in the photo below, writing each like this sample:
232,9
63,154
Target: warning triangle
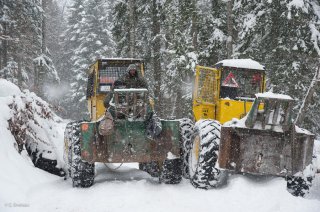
230,81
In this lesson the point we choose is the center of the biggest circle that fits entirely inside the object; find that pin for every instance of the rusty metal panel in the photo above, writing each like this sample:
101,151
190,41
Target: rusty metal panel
302,150
87,139
264,152
128,142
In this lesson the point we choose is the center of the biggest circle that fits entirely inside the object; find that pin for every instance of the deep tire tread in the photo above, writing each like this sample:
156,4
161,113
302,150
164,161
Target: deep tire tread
171,171
186,132
206,175
80,171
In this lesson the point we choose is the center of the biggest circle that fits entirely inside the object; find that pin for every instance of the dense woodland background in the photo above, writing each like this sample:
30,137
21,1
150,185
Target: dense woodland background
46,46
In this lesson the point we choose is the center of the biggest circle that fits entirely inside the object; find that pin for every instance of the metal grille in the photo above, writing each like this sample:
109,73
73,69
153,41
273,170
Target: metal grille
206,86
131,105
111,74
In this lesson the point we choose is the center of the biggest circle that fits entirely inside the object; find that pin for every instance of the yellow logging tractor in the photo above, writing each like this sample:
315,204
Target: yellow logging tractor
257,137
120,135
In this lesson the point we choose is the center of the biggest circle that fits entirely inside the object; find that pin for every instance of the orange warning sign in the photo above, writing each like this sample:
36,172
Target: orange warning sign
230,81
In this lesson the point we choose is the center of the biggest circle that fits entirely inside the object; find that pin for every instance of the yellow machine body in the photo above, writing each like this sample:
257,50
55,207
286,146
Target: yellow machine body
101,76
211,88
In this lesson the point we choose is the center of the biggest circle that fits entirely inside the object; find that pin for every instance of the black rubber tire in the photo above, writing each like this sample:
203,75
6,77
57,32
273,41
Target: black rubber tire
67,156
204,155
171,171
80,171
300,185
151,168
41,162
186,131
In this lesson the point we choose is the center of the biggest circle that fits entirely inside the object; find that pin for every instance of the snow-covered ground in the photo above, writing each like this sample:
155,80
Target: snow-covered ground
26,188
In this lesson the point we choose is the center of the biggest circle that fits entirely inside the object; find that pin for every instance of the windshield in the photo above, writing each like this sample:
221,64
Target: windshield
110,71
239,83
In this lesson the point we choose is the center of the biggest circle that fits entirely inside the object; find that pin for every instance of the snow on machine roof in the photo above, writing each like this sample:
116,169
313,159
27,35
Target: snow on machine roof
241,63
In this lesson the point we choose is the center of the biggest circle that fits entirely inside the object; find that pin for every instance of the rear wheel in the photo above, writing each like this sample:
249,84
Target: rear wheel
151,168
80,171
300,184
186,131
171,171
204,155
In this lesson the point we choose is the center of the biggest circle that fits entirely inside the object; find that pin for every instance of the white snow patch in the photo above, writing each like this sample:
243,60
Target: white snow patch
171,156
273,96
301,130
8,89
242,63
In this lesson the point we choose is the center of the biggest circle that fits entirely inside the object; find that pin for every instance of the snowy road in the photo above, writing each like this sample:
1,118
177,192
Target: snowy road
128,189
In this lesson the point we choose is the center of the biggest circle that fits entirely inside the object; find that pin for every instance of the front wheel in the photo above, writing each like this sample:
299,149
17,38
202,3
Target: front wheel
203,155
80,171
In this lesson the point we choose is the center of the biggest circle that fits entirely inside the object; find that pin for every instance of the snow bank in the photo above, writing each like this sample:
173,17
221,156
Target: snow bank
31,122
241,63
8,89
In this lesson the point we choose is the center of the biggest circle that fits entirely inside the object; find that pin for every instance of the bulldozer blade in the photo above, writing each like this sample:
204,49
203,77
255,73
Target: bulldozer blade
265,152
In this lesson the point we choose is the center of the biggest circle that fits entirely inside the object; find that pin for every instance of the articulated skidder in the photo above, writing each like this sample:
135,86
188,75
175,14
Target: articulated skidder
264,141
123,137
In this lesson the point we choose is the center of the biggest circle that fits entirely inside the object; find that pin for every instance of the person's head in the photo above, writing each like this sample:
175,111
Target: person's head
132,70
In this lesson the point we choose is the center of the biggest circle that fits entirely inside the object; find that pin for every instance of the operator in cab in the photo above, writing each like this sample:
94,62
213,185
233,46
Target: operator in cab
132,80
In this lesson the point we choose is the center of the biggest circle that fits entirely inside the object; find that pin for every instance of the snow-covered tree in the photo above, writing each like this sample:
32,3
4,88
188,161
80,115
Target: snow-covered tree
20,36
283,36
88,37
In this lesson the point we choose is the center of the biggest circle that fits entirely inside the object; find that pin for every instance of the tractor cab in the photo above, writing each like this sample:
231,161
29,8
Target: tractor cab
227,90
102,74
240,79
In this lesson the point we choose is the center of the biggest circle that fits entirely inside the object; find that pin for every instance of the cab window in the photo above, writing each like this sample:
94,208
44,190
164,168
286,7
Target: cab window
110,71
240,83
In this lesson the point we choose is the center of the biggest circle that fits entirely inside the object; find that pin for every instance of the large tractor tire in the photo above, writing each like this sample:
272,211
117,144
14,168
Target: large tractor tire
80,171
204,155
299,184
171,172
151,168
186,131
43,163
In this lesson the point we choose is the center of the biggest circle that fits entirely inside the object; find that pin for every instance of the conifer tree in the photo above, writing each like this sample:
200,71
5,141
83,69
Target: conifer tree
89,37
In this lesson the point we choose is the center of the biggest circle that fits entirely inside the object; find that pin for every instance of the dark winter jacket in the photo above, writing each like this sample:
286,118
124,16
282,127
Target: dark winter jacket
127,81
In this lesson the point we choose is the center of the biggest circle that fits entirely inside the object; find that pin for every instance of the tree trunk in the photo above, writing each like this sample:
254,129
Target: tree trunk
230,28
194,28
19,75
43,43
156,45
132,29
5,46
307,99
